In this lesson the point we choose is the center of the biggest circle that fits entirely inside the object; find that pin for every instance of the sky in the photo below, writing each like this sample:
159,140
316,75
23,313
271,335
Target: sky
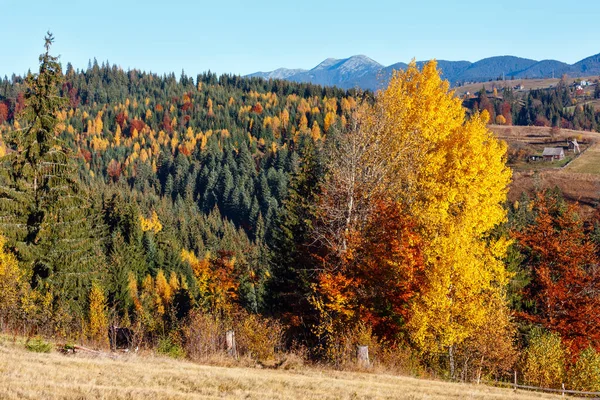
242,37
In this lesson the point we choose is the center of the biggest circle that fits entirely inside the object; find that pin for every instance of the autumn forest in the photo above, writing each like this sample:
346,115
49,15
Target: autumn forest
310,220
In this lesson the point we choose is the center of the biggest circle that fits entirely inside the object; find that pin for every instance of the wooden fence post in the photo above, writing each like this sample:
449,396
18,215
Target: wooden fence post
230,341
362,355
515,380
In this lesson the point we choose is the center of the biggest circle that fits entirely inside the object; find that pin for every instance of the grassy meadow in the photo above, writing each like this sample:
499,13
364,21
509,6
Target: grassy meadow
30,375
588,162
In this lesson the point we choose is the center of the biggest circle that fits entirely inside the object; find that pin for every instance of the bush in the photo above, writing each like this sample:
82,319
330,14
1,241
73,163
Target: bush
258,337
585,374
203,336
544,360
169,347
38,345
341,345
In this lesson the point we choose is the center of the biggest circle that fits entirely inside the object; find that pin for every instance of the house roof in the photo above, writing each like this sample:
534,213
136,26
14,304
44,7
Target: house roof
553,151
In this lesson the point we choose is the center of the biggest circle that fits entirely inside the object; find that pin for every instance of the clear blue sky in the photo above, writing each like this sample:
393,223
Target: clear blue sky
252,35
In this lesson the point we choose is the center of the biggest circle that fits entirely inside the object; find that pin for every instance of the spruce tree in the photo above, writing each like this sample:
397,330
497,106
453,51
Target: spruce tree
44,211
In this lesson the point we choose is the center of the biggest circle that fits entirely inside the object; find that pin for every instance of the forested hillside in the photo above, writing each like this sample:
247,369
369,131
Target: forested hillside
563,106
307,219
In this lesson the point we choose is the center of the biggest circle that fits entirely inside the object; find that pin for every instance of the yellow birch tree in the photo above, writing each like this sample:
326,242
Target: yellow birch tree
450,174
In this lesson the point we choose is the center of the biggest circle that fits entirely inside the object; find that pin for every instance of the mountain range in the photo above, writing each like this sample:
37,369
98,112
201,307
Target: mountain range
366,73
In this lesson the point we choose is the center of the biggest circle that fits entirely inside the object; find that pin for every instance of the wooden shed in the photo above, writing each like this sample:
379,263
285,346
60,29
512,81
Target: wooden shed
553,153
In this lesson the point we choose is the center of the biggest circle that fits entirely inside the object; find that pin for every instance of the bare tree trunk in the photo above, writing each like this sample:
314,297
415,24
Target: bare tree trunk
230,341
451,358
362,355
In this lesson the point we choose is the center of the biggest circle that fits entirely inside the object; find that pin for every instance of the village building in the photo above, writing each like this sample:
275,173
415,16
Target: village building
553,153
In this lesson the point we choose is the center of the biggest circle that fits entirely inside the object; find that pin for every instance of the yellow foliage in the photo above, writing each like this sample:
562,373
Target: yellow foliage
143,155
99,144
584,375
98,319
12,281
329,120
315,131
303,122
330,105
544,360
98,124
174,282
174,143
151,224
162,287
118,135
201,268
451,176
285,118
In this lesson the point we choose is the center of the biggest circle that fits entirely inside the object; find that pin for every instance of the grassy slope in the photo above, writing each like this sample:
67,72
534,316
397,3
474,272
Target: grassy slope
588,163
579,181
528,84
26,375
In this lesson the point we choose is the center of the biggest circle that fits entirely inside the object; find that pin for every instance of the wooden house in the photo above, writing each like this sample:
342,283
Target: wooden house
553,153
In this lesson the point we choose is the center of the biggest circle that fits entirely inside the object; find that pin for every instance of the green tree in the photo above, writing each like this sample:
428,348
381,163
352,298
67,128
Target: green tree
44,212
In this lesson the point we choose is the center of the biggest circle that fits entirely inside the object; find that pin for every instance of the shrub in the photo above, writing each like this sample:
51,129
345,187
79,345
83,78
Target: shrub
258,337
203,336
169,347
585,374
341,345
544,364
38,345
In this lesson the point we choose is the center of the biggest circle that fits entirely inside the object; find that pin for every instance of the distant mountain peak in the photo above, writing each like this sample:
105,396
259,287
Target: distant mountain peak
364,72
280,73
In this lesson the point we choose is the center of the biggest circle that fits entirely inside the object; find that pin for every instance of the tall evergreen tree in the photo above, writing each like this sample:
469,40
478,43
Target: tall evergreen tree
43,210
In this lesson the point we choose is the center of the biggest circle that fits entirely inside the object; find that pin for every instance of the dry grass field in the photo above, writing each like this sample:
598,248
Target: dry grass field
27,375
540,134
579,180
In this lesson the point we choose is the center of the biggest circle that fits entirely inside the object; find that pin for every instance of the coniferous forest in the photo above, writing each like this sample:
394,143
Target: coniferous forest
308,219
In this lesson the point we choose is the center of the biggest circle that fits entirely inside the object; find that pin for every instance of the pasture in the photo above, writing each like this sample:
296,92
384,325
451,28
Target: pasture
27,375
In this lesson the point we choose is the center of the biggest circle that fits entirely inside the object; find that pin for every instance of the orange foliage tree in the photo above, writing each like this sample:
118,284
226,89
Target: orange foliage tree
379,274
565,282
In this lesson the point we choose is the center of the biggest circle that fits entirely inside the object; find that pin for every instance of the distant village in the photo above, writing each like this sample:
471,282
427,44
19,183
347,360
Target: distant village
581,87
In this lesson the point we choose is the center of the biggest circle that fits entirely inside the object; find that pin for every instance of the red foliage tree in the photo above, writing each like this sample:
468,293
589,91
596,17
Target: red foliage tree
565,285
86,155
506,112
20,104
136,124
121,119
3,112
166,123
74,99
257,108
114,170
380,274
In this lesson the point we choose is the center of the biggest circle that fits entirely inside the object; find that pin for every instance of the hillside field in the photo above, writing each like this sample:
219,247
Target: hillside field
579,180
528,84
27,375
